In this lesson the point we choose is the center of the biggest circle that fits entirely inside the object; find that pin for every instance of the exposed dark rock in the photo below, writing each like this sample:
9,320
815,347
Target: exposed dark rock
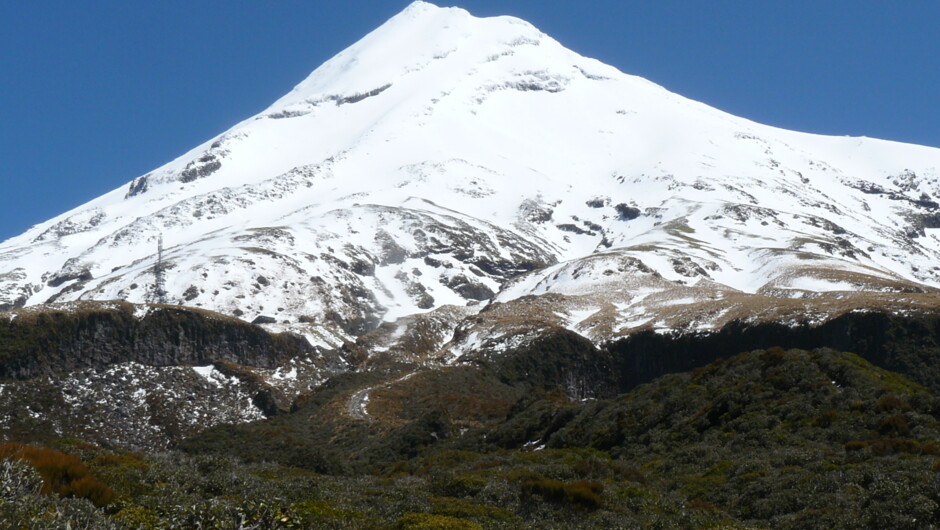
924,201
931,221
67,276
263,319
571,228
202,167
425,301
392,252
17,296
842,247
536,212
54,340
416,291
468,288
355,98
923,221
354,325
80,222
474,291
288,114
560,358
537,81
507,269
190,293
268,399
909,345
592,226
74,288
362,267
138,186
688,268
627,213
869,188
825,224
19,302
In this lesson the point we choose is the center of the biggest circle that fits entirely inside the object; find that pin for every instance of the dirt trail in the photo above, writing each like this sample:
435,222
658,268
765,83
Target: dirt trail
358,403
356,407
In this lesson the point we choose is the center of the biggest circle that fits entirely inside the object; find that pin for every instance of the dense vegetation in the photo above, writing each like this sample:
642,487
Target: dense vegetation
774,438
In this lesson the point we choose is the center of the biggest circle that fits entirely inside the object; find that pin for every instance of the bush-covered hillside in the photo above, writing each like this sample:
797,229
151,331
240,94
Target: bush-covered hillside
775,438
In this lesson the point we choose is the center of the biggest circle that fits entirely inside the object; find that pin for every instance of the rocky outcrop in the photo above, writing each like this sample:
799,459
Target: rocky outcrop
55,339
907,344
559,359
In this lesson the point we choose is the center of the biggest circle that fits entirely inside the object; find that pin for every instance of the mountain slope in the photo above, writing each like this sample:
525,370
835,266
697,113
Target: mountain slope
768,438
144,376
445,159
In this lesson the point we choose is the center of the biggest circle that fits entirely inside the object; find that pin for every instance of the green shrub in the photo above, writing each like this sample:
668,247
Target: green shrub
930,448
137,517
582,493
427,521
889,402
699,504
18,479
464,485
896,425
317,513
855,445
889,446
463,509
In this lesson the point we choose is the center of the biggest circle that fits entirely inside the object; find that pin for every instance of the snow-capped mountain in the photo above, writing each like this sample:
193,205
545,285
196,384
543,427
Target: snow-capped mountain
448,160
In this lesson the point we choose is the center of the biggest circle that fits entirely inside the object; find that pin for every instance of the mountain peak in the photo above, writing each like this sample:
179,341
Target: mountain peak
414,38
447,160
418,7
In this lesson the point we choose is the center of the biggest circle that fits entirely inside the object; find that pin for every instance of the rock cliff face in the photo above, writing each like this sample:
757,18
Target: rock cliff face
143,377
148,376
908,344
53,339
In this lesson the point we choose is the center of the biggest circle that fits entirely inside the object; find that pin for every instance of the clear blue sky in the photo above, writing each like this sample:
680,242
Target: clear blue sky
95,93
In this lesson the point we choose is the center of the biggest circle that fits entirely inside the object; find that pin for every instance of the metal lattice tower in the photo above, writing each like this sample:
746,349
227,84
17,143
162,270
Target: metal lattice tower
159,275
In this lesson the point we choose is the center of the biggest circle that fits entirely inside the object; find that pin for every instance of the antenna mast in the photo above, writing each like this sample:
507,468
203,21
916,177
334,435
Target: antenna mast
159,274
